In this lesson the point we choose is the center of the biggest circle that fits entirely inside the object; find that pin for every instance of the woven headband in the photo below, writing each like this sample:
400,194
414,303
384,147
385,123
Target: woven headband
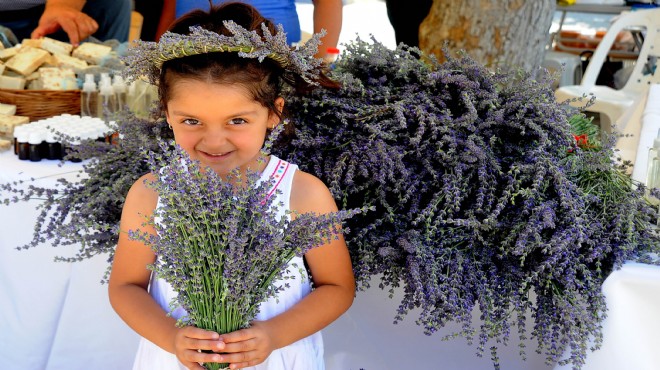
146,58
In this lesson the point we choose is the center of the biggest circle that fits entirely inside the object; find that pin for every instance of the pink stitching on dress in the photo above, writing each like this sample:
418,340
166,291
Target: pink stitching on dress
278,174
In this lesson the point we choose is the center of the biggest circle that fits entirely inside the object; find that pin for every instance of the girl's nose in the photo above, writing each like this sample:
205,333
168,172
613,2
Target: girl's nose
215,136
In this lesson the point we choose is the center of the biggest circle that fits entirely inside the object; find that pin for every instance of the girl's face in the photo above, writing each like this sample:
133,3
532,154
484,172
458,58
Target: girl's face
220,125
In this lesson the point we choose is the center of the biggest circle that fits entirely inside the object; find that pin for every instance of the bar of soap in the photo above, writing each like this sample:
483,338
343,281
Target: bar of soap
27,60
35,43
9,52
7,123
53,78
5,144
69,61
56,46
9,82
7,109
91,52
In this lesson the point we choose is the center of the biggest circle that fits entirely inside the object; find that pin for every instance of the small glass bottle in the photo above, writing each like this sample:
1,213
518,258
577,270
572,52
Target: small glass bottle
107,101
67,149
121,92
89,100
23,151
54,147
35,147
17,132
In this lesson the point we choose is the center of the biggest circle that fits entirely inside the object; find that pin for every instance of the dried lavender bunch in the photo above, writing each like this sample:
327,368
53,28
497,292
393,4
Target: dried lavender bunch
146,58
477,204
221,243
87,212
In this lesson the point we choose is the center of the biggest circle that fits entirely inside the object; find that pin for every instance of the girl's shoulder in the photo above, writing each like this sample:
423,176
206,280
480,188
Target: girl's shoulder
142,193
310,194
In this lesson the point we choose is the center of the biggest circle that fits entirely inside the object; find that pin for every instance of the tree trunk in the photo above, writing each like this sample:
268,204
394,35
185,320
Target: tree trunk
496,33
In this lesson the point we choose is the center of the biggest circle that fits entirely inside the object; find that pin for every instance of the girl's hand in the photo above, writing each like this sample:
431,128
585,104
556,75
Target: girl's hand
247,347
190,340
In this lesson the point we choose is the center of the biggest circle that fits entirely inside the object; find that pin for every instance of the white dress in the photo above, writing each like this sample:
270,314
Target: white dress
305,354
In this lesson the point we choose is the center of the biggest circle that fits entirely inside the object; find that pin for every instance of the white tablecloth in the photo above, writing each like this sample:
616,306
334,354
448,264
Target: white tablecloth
53,315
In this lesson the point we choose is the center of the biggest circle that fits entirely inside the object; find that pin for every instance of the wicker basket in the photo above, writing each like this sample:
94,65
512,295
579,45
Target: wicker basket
39,104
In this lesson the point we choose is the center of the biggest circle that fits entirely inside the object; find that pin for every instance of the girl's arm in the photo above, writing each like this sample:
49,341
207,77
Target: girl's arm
334,283
129,281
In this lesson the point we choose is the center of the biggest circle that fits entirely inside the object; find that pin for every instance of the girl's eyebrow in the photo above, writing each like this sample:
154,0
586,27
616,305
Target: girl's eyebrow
244,113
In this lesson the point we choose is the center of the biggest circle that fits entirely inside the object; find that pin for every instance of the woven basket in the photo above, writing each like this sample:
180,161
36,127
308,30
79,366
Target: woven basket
39,104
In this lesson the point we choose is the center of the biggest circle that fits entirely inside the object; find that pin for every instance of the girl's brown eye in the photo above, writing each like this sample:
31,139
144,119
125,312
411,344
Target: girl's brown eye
237,121
190,121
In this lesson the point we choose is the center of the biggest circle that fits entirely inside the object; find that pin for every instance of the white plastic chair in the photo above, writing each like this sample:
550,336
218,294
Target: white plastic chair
569,66
611,103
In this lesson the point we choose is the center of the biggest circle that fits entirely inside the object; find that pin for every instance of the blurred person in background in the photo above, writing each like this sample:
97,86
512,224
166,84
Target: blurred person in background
327,15
405,17
67,20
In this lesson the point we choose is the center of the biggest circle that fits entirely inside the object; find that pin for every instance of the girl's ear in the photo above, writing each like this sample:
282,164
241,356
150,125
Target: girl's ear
274,119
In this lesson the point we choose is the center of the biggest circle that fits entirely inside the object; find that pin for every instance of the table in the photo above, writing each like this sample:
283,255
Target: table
644,132
56,316
53,315
631,332
567,44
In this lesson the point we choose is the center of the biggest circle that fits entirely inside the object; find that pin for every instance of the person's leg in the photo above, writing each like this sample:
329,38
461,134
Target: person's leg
113,17
405,17
151,11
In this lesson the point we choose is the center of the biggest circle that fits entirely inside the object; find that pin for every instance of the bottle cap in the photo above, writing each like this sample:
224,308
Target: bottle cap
23,135
36,138
106,88
119,85
50,137
89,85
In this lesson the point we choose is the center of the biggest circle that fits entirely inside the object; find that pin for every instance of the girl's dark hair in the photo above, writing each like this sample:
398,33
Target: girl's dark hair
263,80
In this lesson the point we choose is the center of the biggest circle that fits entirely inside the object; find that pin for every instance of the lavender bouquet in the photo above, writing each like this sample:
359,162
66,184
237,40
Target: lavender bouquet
222,244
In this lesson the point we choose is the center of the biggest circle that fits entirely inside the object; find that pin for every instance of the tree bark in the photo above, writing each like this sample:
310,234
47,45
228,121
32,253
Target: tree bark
496,33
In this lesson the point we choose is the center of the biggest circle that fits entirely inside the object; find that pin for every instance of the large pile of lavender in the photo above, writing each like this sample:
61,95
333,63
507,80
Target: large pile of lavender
483,199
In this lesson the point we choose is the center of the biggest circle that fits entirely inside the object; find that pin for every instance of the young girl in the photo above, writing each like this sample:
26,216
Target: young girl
221,106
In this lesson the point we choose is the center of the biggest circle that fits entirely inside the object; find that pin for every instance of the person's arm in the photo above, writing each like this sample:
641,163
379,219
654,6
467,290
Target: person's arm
328,16
67,15
128,284
167,16
333,294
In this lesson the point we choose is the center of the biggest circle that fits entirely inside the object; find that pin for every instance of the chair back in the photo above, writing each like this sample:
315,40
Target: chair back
640,77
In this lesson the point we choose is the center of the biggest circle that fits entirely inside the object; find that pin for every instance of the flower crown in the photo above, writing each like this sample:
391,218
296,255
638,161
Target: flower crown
146,58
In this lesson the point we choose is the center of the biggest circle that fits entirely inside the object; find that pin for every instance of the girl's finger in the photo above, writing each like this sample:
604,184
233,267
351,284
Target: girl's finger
239,358
196,357
242,346
237,336
197,333
204,345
